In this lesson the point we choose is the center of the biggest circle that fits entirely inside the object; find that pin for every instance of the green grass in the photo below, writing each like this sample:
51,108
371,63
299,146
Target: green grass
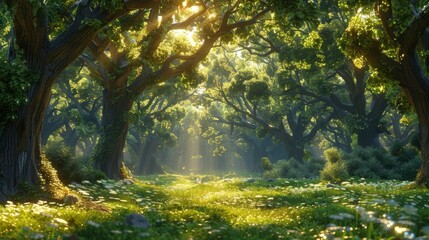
180,207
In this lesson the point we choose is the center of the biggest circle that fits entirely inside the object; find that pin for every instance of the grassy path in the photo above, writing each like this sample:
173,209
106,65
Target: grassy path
210,207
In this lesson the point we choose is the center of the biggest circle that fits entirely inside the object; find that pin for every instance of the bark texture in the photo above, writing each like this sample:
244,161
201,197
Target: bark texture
108,153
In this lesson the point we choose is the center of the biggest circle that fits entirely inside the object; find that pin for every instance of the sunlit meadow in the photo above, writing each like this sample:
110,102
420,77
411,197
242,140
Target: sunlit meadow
226,207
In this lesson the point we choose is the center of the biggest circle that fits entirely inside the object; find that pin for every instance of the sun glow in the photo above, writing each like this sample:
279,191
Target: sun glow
194,9
193,151
201,90
188,34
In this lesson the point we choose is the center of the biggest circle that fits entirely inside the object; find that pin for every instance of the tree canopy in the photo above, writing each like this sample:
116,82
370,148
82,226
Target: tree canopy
135,84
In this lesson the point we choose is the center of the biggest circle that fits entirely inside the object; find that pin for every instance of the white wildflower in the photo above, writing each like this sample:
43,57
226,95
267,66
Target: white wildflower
94,224
401,230
336,217
409,235
37,236
406,223
145,234
60,220
387,223
346,216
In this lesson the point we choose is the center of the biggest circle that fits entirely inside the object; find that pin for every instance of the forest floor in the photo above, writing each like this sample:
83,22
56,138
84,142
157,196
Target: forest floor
228,207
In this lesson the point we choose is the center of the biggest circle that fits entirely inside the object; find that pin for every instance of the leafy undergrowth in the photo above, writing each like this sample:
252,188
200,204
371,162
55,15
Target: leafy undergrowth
210,207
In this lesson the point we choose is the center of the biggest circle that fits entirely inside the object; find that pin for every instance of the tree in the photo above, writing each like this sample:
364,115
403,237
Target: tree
355,105
392,37
47,38
255,100
402,127
313,65
160,57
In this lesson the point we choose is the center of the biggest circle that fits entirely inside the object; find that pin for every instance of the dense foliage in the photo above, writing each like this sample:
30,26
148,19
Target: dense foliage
401,164
335,169
15,82
71,169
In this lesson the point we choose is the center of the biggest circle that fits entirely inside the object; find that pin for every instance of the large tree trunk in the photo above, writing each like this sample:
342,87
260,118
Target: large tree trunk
20,153
423,174
418,94
108,153
407,70
367,122
369,136
294,149
254,163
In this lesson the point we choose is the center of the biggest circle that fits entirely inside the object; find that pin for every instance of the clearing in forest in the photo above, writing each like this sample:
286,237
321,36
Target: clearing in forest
227,207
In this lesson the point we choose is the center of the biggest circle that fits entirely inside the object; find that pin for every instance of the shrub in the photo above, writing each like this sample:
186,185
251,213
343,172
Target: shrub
396,149
61,159
335,169
408,170
373,163
266,164
294,169
70,169
415,140
291,169
332,155
125,171
50,182
334,172
399,162
408,163
270,174
314,166
85,172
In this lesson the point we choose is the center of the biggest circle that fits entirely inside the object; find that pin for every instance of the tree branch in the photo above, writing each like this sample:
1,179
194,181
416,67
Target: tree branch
187,62
319,125
95,70
31,32
385,12
139,4
70,44
410,37
188,21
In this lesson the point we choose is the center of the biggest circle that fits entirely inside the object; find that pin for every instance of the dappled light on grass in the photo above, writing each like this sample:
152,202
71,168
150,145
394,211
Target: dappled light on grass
213,207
